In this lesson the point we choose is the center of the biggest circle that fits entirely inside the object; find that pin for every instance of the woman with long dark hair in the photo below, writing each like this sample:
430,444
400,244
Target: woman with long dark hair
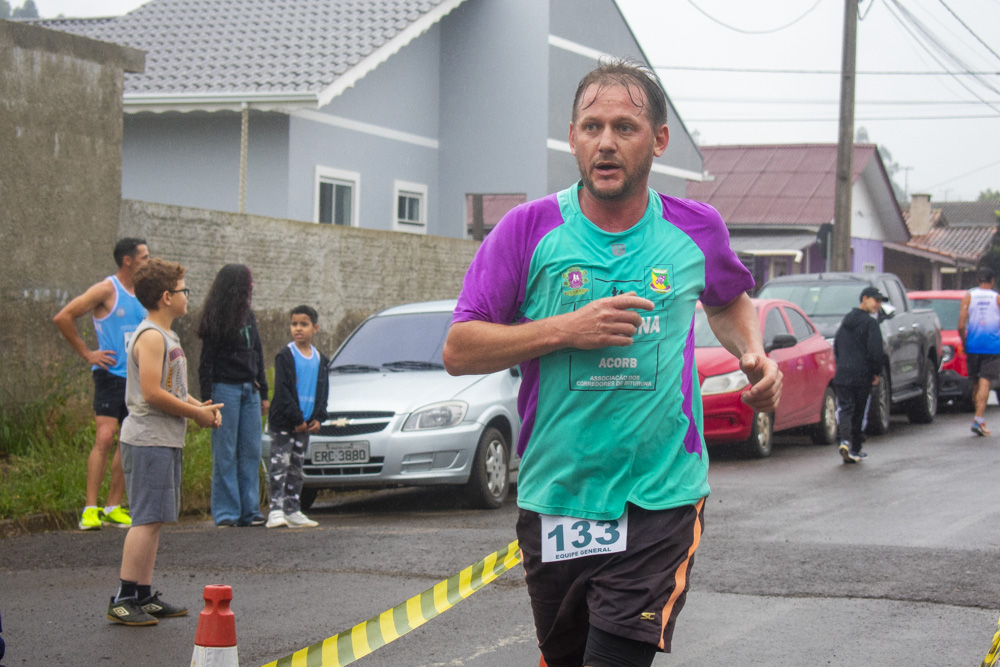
232,372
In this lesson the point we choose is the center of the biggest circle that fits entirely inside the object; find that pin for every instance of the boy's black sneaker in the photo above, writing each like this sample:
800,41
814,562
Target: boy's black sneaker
128,612
154,606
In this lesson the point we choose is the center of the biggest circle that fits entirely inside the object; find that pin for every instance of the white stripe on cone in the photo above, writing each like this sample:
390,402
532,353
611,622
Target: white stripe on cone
211,656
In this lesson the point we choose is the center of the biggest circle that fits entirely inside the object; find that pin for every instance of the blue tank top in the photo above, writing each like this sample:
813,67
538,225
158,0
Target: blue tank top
306,375
982,335
116,328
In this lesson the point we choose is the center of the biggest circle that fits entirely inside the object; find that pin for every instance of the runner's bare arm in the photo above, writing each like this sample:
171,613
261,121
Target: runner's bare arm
736,327
93,300
477,347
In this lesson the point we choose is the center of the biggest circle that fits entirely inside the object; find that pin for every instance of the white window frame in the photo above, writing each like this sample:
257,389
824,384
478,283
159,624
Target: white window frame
338,177
409,188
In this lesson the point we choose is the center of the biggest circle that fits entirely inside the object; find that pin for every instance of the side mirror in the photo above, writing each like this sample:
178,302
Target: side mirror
781,342
888,311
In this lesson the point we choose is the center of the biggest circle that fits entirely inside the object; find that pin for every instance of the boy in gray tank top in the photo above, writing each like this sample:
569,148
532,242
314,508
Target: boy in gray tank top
152,438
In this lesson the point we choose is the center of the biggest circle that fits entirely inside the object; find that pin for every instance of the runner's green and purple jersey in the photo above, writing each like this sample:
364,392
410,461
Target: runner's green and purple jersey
619,424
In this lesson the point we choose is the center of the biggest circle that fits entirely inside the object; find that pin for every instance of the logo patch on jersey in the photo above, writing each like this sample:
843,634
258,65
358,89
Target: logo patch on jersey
660,280
120,312
617,249
648,616
574,281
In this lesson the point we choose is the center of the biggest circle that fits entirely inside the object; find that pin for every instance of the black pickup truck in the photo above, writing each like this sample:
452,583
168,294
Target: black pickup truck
912,337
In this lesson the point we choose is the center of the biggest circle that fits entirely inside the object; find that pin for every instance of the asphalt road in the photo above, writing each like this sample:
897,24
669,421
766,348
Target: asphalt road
805,561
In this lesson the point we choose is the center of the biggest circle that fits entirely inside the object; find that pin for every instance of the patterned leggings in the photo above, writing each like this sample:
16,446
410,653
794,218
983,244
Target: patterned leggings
288,451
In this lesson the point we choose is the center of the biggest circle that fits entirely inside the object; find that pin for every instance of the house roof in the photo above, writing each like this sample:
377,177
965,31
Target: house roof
775,185
201,52
970,212
956,242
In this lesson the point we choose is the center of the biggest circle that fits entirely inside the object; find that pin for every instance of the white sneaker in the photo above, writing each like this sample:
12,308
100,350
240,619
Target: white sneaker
299,520
276,519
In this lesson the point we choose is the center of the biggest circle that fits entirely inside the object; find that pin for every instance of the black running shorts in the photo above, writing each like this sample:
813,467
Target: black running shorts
109,395
636,594
985,366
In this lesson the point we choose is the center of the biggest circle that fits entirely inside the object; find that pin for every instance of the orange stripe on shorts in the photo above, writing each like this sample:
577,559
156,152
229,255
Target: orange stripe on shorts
680,575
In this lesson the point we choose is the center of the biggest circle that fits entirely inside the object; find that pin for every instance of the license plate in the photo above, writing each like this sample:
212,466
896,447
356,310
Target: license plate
339,452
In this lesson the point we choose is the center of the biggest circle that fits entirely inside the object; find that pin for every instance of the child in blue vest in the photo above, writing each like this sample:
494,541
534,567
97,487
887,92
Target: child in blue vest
297,409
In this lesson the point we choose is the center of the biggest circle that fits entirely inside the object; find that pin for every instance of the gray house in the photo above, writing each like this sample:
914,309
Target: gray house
382,114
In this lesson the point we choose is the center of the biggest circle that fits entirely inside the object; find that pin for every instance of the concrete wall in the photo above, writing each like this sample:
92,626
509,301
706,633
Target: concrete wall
60,188
345,273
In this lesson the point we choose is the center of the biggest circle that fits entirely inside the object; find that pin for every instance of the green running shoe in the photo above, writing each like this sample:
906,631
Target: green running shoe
118,517
90,519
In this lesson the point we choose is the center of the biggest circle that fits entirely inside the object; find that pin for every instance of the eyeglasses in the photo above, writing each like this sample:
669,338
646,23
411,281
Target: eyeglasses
186,291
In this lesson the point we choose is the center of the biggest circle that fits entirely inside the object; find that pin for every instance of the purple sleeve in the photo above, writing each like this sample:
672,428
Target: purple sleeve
725,276
494,285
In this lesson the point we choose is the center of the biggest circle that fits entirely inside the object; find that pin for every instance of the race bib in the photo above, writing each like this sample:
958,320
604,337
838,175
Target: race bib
566,537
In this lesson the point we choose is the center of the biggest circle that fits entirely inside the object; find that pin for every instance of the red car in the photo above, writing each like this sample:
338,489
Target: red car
807,397
953,380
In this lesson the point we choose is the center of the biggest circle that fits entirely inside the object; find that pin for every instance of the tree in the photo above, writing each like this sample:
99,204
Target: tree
988,195
4,9
26,11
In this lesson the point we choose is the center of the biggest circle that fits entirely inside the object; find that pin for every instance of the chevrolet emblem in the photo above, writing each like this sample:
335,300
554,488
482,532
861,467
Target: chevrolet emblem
339,423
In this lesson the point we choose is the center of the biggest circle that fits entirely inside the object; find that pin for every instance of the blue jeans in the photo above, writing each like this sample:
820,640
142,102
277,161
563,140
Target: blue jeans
236,454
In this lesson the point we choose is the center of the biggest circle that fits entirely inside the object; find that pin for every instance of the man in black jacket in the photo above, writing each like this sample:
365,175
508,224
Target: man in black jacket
860,358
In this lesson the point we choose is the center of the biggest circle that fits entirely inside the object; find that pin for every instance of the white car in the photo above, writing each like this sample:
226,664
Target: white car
396,418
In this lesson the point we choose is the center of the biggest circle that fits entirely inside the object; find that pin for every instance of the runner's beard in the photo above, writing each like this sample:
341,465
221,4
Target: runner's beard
632,181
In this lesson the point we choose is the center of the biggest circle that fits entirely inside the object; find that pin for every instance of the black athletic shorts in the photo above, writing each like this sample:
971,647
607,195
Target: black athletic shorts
985,366
636,594
109,395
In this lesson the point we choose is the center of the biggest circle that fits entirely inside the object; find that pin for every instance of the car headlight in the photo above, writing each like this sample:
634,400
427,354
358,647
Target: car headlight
947,353
723,384
437,415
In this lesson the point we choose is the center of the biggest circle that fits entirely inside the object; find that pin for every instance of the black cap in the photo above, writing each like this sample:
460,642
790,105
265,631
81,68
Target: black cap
873,293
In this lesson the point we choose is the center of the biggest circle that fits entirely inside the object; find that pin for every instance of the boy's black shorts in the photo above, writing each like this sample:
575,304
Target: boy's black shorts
637,593
109,395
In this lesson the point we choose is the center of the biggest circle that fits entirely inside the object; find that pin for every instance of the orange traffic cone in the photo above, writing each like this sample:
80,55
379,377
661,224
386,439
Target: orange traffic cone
215,638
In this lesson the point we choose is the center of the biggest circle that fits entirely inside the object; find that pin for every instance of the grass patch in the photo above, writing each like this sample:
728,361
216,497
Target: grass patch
43,462
44,448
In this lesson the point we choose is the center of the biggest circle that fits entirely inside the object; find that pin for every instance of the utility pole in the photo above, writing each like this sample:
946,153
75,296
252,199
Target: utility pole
841,255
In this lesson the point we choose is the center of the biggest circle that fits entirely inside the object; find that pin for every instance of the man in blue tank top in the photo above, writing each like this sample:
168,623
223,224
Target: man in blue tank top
116,313
979,328
592,291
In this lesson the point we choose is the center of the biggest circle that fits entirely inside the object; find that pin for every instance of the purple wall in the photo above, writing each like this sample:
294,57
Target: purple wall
866,251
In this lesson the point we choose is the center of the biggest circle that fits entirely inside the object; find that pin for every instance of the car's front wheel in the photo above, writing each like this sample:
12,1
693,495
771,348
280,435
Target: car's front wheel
489,480
880,407
758,445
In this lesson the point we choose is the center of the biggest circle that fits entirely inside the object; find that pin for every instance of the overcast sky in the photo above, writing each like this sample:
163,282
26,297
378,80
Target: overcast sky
944,131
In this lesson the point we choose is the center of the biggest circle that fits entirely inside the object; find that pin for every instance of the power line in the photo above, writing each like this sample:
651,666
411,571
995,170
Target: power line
902,13
789,101
754,32
968,173
969,29
832,119
752,70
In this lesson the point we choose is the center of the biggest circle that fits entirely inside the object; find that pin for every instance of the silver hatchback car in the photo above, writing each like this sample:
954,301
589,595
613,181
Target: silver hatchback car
396,418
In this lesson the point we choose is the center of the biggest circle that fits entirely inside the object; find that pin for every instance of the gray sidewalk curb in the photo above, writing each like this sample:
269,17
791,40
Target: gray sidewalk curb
37,523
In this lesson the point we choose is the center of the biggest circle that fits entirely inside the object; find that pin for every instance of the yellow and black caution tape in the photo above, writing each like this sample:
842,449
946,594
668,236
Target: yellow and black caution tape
346,647
991,657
